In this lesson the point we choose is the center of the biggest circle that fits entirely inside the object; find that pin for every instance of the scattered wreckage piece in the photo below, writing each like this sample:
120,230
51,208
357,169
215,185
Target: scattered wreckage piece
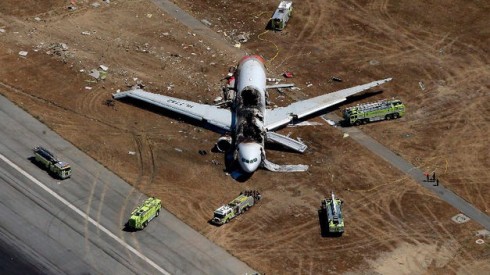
279,86
284,168
286,141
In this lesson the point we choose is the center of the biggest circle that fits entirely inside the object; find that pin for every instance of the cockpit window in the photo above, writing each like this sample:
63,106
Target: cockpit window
244,160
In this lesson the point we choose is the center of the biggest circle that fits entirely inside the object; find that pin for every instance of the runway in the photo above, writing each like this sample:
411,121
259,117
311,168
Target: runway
76,225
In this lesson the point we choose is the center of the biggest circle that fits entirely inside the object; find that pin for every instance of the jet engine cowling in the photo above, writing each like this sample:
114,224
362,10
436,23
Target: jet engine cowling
224,143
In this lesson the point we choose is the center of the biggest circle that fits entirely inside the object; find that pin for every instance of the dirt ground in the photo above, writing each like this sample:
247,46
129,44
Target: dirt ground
437,52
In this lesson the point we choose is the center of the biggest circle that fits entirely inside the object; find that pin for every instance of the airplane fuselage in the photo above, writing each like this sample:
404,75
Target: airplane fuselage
249,110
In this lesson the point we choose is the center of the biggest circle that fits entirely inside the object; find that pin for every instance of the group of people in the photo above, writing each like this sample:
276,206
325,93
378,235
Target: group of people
432,178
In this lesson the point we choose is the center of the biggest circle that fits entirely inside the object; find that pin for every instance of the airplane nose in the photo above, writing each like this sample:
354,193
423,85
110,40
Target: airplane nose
250,167
249,157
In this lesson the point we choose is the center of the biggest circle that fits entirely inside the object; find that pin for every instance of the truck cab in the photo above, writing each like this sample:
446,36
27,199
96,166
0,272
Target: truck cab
222,215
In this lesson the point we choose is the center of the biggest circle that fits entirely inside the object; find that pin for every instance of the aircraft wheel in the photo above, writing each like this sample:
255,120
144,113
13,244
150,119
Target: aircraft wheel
395,115
388,117
145,224
158,213
357,123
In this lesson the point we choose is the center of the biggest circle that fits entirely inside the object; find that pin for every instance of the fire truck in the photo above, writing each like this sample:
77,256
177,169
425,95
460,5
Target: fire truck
236,207
374,111
281,15
332,211
57,168
144,213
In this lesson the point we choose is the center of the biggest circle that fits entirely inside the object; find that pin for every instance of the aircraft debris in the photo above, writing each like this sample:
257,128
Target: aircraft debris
284,168
23,53
374,62
95,4
305,123
132,153
72,8
206,22
86,33
243,37
149,15
203,152
58,49
2,30
421,85
346,135
104,67
88,88
237,45
288,74
337,79
37,19
110,102
178,150
95,74
279,86
98,74
330,122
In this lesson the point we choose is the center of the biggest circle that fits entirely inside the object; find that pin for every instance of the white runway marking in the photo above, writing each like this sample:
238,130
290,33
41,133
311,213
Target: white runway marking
85,216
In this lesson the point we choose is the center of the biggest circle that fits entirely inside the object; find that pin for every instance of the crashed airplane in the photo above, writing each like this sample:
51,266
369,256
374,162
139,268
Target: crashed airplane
248,123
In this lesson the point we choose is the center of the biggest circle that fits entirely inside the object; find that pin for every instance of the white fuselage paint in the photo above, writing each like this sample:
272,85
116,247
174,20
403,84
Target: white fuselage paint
249,112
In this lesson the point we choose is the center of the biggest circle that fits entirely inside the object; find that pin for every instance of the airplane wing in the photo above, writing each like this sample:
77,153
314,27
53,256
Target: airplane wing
282,115
221,118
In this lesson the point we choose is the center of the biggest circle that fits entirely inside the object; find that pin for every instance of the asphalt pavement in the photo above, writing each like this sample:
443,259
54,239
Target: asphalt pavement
76,225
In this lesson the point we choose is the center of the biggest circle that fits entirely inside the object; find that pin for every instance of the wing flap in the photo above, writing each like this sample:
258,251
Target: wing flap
221,118
287,142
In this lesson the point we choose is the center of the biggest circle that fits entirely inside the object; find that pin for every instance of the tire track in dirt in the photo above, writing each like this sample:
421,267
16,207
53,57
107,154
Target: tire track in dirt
310,28
66,109
146,160
443,235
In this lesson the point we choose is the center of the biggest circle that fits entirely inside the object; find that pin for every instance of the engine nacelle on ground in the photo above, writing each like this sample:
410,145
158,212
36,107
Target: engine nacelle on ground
224,143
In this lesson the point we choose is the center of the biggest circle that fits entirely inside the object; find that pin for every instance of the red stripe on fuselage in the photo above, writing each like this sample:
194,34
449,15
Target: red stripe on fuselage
256,57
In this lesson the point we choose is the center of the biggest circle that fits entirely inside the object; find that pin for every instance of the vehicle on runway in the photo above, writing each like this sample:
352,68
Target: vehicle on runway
248,125
57,168
144,213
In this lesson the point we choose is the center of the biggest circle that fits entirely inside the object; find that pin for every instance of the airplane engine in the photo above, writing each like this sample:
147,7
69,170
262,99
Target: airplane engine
224,143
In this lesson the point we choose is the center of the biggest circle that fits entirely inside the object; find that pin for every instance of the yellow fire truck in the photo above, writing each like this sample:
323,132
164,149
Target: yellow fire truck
236,207
144,213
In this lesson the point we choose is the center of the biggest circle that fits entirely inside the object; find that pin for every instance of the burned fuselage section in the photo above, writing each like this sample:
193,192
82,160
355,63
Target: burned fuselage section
250,105
249,130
